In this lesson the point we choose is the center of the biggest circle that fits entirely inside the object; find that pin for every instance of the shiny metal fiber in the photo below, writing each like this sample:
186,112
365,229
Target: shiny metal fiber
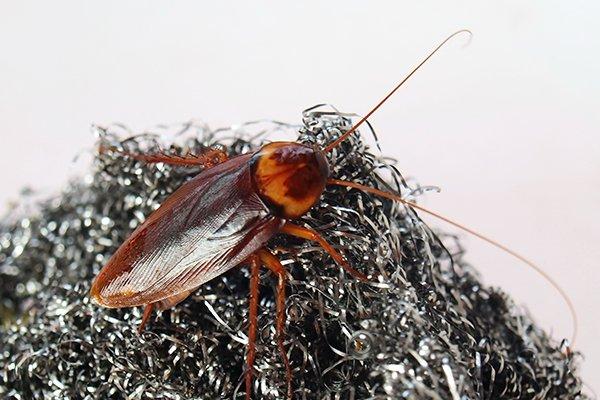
425,329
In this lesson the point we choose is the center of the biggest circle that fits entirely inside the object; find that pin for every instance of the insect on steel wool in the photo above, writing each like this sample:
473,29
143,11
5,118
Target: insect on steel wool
224,217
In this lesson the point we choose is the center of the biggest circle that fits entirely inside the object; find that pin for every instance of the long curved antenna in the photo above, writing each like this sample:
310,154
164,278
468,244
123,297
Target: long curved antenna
339,140
494,243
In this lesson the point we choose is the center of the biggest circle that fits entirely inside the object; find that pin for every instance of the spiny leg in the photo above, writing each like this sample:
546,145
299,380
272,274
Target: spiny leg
312,235
253,321
147,313
208,158
273,264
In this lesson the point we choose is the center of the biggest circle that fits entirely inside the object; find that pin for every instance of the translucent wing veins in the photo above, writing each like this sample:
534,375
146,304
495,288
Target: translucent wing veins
206,227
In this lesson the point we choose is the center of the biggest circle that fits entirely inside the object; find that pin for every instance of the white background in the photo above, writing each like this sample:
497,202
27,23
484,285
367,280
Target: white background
508,126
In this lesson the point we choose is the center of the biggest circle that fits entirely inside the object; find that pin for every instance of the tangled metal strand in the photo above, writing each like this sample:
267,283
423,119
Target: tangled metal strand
427,329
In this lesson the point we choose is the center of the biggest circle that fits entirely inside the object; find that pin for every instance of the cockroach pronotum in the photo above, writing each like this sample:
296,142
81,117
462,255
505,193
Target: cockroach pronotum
225,216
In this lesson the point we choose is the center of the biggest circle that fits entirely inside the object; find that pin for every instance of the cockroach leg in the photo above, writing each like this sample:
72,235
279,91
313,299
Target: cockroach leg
312,235
147,313
253,321
274,265
162,305
207,159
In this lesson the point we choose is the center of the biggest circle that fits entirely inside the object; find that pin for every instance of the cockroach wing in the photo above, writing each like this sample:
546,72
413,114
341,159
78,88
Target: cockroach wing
209,225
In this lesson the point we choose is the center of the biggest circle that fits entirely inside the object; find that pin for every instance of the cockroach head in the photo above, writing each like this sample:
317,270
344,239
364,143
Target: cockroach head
290,177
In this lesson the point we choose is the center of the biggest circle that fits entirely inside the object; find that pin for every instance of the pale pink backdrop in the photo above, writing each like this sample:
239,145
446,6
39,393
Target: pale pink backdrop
508,126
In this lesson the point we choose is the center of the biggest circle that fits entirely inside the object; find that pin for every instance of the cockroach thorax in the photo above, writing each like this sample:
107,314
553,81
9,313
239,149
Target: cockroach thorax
290,177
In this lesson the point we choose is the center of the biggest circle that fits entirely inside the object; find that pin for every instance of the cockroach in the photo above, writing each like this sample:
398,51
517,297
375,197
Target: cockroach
225,216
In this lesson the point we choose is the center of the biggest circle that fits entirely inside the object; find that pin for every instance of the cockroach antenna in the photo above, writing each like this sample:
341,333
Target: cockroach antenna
339,140
506,249
398,198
